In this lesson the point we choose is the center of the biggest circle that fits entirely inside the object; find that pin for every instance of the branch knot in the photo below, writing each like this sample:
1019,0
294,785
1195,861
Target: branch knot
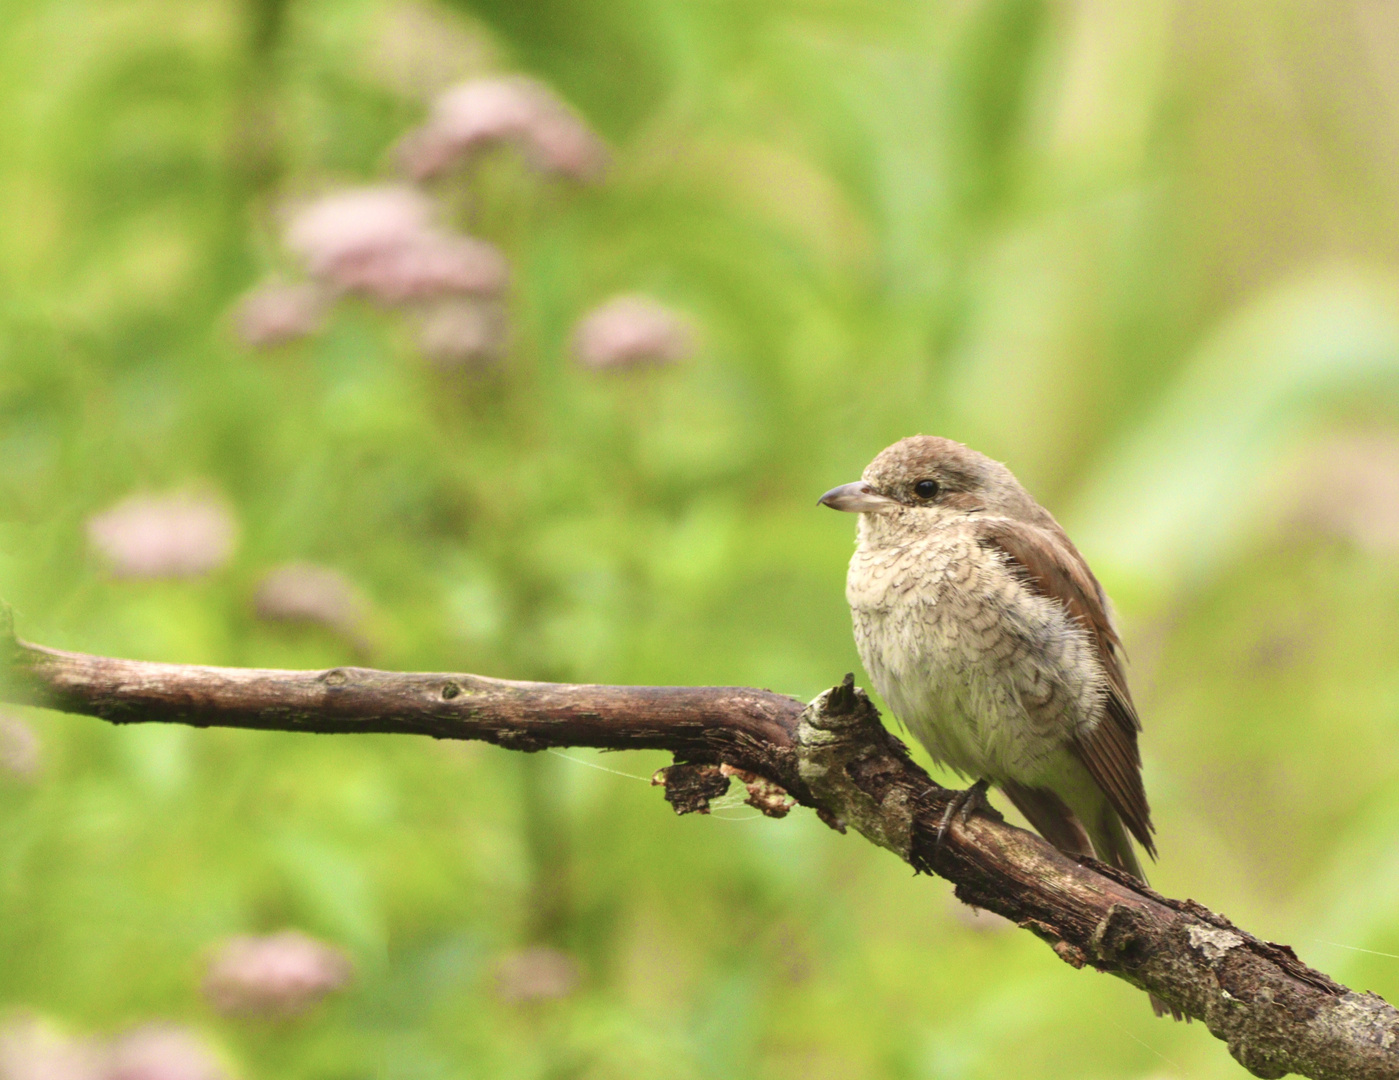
852,767
1123,937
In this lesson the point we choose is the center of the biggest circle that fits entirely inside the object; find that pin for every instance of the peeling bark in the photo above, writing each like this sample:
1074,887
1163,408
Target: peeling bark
1275,1014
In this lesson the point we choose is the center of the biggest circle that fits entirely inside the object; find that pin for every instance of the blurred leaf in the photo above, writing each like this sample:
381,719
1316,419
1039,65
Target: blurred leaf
1177,498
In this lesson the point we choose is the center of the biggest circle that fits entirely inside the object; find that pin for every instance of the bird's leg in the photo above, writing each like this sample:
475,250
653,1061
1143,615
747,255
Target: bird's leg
962,805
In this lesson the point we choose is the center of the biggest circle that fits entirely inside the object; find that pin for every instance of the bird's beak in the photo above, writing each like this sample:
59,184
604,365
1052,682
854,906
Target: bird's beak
856,498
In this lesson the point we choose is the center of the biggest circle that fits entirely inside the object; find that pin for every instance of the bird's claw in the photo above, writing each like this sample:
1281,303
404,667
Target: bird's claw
962,806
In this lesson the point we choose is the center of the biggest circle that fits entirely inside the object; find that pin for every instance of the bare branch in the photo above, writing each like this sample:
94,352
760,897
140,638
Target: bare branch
1276,1014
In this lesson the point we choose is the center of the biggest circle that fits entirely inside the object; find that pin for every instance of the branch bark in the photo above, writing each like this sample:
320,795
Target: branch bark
1277,1015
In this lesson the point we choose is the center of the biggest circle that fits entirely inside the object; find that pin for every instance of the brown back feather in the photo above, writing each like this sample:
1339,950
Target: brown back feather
1051,566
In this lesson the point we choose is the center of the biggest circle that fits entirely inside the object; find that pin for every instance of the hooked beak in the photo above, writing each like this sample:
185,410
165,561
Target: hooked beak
856,498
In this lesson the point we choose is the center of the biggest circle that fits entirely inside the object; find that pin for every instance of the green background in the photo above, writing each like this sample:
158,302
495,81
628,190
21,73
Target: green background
1147,254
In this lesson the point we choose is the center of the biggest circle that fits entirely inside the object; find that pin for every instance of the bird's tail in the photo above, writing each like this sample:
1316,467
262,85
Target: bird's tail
1112,844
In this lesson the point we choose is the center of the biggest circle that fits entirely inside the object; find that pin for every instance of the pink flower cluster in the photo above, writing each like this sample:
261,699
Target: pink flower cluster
384,242
31,1049
279,975
511,110
277,311
632,330
381,242
182,534
302,592
187,534
161,1052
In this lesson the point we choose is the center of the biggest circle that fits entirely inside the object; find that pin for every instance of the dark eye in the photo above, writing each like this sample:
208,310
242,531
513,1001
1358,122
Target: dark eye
926,489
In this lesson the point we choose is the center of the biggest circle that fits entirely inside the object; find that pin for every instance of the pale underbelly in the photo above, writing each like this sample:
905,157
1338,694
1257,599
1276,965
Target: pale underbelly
978,706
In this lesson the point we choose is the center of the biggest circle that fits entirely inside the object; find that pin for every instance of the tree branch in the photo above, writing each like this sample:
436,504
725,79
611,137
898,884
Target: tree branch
1276,1014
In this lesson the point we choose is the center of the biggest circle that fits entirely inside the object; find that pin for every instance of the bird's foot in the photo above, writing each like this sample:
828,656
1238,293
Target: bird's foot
962,806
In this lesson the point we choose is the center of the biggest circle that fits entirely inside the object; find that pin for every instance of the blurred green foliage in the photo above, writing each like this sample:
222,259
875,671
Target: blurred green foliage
1145,253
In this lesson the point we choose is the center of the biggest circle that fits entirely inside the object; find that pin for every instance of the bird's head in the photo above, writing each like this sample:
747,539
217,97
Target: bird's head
927,477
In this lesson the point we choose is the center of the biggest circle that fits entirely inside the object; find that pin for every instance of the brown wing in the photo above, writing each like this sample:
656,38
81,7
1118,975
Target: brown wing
1050,565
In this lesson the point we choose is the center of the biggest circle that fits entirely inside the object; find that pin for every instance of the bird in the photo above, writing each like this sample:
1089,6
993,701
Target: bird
984,630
